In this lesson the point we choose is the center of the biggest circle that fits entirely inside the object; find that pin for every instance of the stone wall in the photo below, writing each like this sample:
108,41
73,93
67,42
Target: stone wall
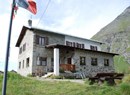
90,70
45,52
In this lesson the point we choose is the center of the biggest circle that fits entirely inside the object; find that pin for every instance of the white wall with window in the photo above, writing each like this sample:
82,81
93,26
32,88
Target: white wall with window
87,43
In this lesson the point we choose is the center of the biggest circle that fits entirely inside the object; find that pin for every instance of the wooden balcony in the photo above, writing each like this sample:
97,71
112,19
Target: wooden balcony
68,67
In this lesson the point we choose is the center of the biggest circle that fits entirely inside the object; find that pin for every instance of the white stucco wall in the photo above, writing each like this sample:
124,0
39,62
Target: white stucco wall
86,42
28,39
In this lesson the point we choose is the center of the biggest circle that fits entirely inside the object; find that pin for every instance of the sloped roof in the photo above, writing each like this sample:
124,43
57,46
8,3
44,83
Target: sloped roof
23,31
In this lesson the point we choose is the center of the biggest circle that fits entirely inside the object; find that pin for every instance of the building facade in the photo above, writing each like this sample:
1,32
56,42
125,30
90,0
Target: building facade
43,51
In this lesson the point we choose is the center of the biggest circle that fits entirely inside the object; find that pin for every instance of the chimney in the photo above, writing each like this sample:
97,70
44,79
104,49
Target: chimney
30,23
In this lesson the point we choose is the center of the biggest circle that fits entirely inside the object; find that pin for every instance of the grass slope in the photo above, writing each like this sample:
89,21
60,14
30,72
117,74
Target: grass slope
121,65
18,85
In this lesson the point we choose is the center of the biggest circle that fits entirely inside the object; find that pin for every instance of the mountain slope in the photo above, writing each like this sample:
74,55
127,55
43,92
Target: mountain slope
116,35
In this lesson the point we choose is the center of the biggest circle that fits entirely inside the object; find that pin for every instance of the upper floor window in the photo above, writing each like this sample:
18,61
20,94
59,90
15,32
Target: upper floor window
42,61
94,61
69,43
20,50
74,44
93,47
41,40
106,62
24,47
82,61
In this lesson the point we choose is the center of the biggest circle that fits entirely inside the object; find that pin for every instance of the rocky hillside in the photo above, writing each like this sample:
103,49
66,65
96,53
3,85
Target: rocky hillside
116,35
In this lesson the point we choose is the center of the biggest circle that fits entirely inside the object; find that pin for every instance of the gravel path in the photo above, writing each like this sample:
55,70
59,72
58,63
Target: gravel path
70,80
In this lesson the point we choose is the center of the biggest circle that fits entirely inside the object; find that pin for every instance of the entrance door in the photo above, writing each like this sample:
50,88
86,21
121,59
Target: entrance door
68,60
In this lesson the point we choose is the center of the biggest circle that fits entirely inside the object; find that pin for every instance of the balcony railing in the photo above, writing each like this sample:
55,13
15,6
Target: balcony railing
68,67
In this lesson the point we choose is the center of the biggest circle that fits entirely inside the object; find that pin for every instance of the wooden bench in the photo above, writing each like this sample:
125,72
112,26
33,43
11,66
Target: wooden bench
108,77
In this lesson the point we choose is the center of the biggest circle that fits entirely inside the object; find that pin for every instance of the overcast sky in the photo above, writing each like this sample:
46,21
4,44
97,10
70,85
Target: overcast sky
81,18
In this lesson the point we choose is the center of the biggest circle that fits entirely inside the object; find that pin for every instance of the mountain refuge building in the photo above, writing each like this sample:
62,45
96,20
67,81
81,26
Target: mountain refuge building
42,51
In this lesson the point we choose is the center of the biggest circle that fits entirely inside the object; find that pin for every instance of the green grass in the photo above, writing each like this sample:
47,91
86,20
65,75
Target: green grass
121,65
18,85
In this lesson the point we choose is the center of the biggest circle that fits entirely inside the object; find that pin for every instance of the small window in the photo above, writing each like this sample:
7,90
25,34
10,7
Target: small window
93,47
20,50
19,65
69,43
94,61
23,63
27,62
106,62
82,46
82,61
24,47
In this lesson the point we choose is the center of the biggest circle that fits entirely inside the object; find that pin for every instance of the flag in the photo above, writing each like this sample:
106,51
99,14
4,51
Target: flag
30,5
15,11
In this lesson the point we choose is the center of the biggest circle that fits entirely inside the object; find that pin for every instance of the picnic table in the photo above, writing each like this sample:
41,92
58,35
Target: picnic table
108,77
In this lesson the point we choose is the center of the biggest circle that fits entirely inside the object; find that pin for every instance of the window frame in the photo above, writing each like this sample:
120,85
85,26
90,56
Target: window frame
27,62
24,47
94,61
93,47
106,62
40,40
41,60
20,50
82,60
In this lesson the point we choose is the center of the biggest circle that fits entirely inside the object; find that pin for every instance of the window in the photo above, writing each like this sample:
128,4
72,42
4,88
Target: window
69,43
74,44
93,47
24,47
27,62
19,65
20,50
94,61
68,60
106,62
23,63
41,40
42,61
82,61
82,46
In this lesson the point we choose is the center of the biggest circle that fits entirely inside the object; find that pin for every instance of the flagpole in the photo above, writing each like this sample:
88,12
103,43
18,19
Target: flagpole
7,51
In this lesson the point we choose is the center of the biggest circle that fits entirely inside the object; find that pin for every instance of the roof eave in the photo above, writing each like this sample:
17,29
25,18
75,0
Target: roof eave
23,31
